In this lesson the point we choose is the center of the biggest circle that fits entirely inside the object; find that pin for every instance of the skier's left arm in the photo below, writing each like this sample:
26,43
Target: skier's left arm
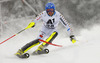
69,30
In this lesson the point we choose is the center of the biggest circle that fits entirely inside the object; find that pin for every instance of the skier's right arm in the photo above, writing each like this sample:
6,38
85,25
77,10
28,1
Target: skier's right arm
32,24
66,24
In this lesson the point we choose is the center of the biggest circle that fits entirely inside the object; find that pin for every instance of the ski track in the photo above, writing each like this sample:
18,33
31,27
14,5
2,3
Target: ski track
86,50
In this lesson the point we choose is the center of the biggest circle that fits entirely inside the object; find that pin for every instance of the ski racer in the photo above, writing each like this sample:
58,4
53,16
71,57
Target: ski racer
51,19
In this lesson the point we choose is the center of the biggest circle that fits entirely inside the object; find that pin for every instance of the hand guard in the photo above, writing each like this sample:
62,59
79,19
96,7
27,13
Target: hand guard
72,38
32,24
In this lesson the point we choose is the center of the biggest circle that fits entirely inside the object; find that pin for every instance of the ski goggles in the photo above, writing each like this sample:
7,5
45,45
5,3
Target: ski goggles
50,10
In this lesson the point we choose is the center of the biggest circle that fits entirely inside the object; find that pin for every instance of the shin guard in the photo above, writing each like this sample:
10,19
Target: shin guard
30,45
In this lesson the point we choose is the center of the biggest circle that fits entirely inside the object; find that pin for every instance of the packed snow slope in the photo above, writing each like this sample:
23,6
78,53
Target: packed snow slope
85,50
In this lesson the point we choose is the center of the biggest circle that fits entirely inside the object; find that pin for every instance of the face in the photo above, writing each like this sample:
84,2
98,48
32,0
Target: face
50,12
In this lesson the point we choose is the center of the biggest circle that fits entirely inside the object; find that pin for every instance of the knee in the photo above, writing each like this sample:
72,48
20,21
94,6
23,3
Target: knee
52,36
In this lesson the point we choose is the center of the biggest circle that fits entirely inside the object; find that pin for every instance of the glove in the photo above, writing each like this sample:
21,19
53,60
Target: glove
72,38
32,24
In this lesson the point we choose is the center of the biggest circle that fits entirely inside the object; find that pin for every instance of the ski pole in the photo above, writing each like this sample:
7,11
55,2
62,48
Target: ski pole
29,26
12,36
50,43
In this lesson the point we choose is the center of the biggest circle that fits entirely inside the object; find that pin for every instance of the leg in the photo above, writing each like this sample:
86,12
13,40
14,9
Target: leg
50,39
27,47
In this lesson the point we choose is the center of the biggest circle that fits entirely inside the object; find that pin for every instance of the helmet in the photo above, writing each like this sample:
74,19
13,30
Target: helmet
50,6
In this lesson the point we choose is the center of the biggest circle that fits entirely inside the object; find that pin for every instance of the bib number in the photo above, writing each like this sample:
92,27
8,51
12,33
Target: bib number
50,23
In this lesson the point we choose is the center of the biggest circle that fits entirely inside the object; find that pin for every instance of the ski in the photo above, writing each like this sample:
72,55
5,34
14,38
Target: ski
45,51
26,55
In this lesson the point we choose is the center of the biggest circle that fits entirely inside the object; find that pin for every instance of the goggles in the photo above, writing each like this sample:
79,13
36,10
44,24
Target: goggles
50,10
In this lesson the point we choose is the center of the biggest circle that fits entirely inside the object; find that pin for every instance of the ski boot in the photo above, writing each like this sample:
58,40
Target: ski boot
41,50
38,52
21,55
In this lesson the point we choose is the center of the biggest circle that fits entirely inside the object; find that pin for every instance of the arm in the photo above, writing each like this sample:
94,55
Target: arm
32,24
69,30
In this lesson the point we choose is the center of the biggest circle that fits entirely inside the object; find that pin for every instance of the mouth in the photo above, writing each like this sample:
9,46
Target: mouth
50,13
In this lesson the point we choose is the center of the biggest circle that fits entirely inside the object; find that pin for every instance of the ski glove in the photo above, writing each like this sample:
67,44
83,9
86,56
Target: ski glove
32,24
72,38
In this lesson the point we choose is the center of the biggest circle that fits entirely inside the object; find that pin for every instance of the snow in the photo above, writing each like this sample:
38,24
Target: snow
85,50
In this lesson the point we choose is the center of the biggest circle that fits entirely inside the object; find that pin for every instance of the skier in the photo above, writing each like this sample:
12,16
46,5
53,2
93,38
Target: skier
51,19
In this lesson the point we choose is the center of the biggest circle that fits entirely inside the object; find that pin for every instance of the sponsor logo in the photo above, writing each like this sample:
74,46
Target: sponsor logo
68,29
41,36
